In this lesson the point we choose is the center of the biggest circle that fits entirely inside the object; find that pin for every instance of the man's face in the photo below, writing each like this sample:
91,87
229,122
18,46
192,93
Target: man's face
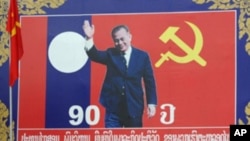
122,39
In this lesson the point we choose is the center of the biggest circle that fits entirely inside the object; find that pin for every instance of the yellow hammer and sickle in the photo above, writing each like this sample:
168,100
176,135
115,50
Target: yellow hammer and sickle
192,54
13,31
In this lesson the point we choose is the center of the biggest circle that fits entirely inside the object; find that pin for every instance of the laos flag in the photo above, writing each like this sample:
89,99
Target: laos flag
55,85
193,57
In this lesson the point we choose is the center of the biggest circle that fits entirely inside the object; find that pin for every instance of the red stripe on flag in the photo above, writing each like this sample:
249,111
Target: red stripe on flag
33,73
16,49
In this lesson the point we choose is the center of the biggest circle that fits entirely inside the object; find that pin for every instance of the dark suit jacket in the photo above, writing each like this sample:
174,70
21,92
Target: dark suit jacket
120,80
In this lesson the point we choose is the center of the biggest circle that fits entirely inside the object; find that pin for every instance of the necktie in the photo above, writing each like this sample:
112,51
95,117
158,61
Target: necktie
124,61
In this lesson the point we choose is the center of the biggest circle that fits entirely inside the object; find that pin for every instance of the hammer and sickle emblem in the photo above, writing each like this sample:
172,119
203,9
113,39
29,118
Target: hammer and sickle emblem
192,53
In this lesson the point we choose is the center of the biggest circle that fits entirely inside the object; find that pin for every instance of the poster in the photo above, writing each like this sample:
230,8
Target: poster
194,69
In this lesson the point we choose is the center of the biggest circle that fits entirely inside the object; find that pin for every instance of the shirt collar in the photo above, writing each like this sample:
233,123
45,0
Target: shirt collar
128,51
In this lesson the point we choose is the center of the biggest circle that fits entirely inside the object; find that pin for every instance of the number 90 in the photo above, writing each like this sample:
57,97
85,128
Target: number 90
76,114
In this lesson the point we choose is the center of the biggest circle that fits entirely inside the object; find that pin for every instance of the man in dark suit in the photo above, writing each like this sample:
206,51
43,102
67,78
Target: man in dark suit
122,92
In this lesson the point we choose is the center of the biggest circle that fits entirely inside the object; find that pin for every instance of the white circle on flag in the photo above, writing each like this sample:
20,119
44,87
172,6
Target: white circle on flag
66,52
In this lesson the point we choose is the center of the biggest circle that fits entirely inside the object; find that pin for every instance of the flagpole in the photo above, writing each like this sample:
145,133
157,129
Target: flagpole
11,113
10,99
10,94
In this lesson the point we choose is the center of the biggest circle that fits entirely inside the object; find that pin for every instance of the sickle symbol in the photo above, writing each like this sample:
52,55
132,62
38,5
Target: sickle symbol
192,54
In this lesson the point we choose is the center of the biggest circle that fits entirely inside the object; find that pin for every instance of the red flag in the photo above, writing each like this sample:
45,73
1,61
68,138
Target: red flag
16,49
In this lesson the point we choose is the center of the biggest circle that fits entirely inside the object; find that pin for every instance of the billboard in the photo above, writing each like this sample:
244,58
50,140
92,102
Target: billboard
194,69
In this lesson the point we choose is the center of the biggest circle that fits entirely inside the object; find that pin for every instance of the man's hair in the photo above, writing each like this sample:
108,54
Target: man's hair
118,27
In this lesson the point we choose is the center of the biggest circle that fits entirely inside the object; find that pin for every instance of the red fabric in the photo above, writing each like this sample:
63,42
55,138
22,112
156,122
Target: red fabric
16,49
